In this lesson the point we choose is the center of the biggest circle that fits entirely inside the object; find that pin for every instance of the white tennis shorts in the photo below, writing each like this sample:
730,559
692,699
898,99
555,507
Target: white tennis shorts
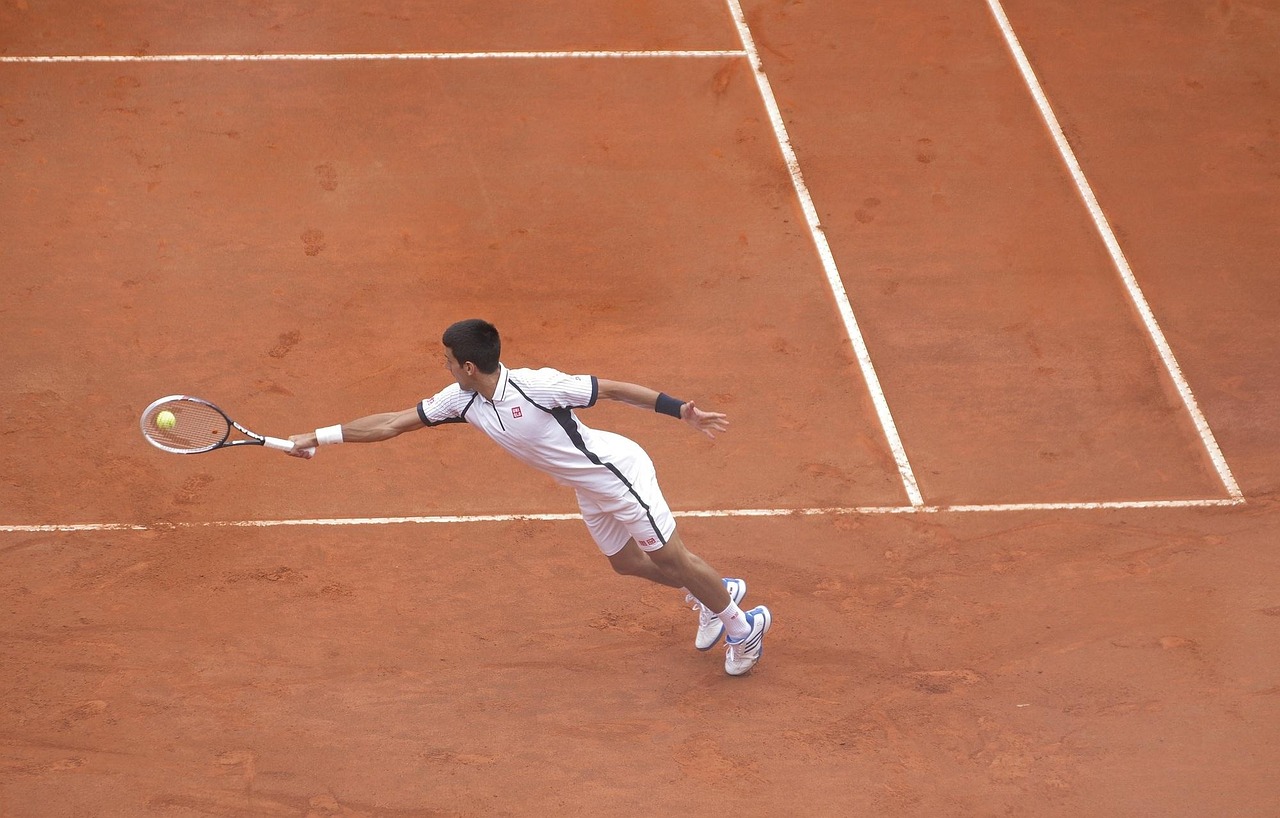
632,508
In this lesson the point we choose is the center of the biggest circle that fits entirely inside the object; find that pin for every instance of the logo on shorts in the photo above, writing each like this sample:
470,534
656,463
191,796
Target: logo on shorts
650,541
517,412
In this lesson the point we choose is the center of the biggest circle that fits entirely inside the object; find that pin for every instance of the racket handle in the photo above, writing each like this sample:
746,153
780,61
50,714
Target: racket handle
278,443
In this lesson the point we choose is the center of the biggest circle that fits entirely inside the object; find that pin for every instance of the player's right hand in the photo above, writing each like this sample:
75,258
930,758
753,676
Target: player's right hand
304,446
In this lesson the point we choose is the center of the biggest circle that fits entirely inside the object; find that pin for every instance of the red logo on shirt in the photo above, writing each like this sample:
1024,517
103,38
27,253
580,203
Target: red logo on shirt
515,412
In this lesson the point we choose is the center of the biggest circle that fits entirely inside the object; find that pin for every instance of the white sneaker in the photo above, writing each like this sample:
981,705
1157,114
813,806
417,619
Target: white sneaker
709,625
741,655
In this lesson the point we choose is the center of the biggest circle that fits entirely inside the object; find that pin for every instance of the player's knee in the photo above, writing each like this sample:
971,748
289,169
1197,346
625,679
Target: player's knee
625,568
670,556
629,562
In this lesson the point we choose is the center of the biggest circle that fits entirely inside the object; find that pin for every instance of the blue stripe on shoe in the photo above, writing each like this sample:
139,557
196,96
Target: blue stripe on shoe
754,638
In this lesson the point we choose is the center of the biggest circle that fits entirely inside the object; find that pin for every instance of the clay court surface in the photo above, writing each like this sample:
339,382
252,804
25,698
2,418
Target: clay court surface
1011,573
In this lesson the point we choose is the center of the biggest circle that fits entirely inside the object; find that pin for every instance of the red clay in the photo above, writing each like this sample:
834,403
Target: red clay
289,239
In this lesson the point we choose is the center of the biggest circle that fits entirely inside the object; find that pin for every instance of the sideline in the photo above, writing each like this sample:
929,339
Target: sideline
1117,255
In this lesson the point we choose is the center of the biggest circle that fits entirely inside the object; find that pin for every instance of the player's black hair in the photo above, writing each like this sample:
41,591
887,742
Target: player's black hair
476,341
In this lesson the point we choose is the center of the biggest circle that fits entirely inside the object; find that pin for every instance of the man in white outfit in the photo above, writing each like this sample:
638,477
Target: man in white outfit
530,413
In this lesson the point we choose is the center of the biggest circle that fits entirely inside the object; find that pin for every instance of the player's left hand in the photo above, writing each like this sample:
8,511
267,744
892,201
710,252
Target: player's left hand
706,422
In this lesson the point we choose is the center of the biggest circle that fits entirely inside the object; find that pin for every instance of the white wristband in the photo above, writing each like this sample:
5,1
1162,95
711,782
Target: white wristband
329,435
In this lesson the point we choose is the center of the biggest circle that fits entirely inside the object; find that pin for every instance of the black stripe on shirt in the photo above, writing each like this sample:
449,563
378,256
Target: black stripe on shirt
564,417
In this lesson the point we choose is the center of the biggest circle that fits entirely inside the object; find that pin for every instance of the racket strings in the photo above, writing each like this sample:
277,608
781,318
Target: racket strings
195,426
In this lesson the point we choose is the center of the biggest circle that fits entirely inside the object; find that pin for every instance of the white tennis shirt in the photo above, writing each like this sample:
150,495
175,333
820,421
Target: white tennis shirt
531,416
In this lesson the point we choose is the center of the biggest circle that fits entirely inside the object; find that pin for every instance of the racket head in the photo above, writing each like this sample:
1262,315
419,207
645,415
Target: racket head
198,426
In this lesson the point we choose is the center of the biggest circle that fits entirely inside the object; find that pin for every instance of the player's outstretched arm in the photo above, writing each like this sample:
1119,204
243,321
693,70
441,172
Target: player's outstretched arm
368,429
709,423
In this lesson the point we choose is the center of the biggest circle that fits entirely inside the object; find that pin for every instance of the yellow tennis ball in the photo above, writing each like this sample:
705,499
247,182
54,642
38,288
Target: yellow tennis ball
166,420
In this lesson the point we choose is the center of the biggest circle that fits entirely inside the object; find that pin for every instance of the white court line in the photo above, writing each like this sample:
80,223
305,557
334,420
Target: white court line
425,55
1117,255
737,512
828,260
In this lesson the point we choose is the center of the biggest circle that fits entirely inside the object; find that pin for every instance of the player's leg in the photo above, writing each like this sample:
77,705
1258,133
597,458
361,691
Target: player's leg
744,630
630,561
685,569
718,611
653,548
637,532
616,543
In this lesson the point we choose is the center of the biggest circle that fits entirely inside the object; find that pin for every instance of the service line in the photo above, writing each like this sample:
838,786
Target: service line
1117,255
555,518
425,55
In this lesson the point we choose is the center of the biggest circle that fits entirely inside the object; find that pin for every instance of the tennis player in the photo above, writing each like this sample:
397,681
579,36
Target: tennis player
530,413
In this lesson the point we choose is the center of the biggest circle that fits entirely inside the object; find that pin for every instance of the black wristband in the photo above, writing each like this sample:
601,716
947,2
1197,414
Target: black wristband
667,405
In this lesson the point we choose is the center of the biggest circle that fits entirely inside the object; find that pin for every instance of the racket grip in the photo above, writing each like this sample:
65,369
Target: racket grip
278,443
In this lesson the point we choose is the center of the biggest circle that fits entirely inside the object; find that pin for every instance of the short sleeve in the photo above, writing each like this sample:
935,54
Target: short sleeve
553,389
447,406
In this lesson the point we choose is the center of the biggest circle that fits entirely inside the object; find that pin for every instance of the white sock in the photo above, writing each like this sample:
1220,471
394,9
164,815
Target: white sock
735,621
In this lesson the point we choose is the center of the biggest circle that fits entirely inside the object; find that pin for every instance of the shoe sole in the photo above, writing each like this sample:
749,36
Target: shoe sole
742,583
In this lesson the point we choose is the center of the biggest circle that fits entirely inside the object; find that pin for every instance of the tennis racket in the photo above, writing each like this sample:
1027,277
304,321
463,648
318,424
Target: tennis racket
194,425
